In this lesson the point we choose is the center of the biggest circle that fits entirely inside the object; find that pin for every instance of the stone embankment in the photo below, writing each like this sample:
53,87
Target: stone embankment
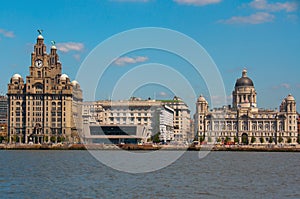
258,148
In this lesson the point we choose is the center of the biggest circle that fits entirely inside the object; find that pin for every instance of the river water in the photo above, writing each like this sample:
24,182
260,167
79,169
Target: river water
76,174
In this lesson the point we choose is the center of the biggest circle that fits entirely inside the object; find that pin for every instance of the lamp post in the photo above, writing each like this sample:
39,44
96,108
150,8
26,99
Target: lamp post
204,128
276,123
237,123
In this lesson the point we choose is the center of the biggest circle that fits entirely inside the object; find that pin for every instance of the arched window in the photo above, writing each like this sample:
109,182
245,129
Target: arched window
245,126
254,127
267,127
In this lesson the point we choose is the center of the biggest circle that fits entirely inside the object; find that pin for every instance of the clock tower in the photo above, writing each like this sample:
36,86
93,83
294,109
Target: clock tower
47,108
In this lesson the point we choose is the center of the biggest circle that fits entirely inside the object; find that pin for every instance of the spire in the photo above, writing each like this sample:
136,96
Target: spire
244,73
53,45
40,31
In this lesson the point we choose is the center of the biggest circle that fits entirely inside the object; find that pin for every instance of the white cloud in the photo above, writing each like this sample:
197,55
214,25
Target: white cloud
283,85
7,33
274,7
70,46
197,2
121,61
77,57
257,18
163,94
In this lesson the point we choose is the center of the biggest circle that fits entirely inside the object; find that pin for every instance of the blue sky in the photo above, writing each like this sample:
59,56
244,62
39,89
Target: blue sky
261,35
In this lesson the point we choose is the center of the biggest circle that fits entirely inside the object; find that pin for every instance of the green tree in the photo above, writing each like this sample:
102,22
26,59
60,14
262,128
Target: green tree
253,139
270,140
289,140
236,139
52,139
280,139
219,139
1,139
201,138
298,139
227,139
59,139
155,138
262,140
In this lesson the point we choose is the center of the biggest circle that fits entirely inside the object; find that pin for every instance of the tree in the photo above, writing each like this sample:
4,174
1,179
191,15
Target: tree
262,140
280,139
298,139
155,138
253,139
219,139
52,139
227,139
270,140
236,139
201,138
289,140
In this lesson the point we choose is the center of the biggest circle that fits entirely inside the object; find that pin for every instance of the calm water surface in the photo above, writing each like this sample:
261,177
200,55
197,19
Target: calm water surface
76,174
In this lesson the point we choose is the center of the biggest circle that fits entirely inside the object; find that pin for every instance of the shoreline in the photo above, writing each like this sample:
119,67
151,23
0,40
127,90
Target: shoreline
266,148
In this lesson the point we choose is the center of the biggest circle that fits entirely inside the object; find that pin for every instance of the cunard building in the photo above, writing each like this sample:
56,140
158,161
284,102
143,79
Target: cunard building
47,106
244,122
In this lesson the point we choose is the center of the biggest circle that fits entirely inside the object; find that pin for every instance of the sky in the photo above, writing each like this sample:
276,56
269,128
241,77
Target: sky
259,35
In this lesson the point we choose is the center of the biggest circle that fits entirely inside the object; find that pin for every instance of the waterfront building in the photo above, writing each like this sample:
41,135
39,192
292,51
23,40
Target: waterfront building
3,118
3,110
134,111
166,124
182,119
150,114
116,134
47,107
244,122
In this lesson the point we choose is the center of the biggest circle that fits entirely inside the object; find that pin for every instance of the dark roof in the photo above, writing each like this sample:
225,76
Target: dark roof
244,81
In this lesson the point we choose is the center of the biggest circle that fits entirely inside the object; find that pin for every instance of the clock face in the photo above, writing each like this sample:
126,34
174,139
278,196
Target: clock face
38,63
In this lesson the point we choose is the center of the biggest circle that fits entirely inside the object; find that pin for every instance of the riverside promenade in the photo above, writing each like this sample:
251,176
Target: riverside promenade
258,148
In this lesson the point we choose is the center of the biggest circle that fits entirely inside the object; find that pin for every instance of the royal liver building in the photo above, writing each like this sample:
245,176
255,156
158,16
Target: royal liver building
243,122
47,107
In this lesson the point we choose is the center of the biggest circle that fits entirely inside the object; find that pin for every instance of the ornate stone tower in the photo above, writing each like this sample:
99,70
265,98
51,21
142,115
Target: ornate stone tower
288,106
244,94
42,109
200,116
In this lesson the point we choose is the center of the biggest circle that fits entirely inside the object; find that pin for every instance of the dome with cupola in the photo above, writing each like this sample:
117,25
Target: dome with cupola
244,80
64,77
16,76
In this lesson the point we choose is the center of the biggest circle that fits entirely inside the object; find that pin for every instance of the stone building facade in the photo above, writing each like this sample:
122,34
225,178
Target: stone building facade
182,120
47,107
243,122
